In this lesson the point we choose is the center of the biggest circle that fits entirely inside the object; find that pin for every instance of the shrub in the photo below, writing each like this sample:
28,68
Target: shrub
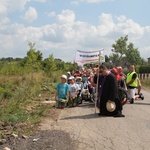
5,94
144,69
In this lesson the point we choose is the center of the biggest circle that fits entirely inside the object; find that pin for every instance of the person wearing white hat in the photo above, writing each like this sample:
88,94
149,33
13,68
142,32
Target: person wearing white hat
74,90
62,92
68,76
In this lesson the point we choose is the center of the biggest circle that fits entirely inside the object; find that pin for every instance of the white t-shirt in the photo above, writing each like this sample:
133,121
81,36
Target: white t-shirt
73,89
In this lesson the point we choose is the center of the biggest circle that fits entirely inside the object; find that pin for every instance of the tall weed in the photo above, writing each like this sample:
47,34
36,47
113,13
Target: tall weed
19,99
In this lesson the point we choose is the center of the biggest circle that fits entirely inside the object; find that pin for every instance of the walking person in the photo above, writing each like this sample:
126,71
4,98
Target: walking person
62,92
108,93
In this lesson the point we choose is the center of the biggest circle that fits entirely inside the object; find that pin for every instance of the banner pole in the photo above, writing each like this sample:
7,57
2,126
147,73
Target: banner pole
97,84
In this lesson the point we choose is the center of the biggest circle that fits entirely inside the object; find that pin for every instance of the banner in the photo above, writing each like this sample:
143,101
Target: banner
89,56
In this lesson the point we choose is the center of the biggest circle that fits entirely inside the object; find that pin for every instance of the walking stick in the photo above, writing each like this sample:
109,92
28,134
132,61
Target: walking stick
97,84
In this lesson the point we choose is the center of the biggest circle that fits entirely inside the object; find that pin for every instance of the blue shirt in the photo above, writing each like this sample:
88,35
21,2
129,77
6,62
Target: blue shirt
62,90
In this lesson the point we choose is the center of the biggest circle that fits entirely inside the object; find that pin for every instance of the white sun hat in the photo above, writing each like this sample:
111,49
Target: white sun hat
69,72
71,78
110,106
64,76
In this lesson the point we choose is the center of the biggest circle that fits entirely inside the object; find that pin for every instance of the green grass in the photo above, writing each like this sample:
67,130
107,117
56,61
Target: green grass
146,83
19,101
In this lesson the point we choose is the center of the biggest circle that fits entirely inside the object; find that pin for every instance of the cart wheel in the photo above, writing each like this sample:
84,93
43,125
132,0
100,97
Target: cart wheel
80,100
123,95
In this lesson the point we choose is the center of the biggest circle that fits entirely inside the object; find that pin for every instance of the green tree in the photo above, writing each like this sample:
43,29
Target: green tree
106,58
133,55
125,54
49,64
60,65
33,58
115,59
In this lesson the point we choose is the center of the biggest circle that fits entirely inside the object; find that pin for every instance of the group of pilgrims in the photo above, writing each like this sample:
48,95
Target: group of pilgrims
103,83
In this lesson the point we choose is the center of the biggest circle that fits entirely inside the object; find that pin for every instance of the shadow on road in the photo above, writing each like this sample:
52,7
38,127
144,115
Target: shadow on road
89,116
137,103
87,105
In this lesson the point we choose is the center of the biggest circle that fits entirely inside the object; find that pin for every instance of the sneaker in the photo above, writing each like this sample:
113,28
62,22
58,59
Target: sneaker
141,96
131,101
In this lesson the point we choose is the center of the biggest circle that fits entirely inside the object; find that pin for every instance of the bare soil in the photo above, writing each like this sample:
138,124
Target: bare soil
46,140
42,139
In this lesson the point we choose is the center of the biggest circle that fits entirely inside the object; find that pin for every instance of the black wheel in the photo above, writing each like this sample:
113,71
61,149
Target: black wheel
132,101
79,100
86,97
123,95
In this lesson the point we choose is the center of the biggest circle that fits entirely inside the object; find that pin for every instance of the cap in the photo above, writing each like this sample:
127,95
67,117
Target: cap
64,76
68,72
71,78
120,70
114,71
79,78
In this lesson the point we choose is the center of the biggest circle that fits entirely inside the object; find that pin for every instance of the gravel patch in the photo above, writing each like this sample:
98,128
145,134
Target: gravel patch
42,140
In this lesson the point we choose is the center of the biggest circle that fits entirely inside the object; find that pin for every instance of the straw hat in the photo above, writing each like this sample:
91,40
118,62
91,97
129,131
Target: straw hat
110,106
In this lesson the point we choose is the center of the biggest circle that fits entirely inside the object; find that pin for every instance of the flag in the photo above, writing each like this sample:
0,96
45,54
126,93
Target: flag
89,56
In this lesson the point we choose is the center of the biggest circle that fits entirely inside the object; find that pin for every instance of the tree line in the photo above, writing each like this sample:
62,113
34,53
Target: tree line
33,62
123,54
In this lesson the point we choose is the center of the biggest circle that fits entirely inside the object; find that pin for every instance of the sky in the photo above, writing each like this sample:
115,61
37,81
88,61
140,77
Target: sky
60,27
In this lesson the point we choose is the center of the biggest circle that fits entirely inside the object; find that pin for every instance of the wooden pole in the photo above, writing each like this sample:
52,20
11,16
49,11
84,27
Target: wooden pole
97,84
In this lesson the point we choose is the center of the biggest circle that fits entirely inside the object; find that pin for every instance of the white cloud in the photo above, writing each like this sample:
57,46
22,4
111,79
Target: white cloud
7,6
3,9
121,18
67,16
30,15
67,34
3,28
95,1
106,24
51,14
75,2
4,20
41,1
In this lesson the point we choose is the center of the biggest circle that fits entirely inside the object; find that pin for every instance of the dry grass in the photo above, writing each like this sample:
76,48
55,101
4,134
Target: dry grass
19,101
146,84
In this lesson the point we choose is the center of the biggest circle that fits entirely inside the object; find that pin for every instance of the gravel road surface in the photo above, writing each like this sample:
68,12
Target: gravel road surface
92,132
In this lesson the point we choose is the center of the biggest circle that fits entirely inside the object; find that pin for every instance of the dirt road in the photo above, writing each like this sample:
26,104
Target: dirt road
91,132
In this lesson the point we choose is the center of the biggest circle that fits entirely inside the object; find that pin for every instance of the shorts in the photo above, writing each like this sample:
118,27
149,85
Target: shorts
62,104
131,93
74,101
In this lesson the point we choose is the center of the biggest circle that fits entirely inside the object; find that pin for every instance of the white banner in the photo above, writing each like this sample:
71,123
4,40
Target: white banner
89,56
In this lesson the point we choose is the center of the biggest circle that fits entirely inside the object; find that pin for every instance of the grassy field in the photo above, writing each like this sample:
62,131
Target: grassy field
146,83
20,101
